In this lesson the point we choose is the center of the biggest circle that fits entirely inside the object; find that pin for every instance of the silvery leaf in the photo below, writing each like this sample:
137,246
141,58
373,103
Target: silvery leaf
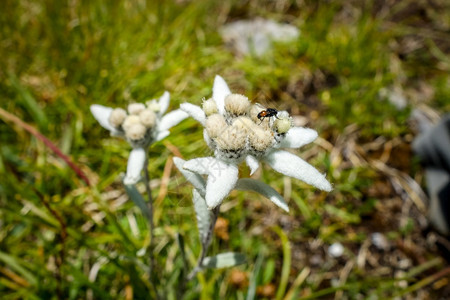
248,184
202,213
223,260
137,199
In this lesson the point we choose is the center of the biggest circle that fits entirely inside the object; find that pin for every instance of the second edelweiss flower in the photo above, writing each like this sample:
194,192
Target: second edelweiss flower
141,125
237,130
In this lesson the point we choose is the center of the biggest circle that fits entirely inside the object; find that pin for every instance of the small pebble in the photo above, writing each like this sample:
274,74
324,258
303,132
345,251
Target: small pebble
336,250
380,241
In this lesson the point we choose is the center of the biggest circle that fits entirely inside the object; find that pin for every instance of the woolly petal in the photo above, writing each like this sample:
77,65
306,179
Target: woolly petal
200,165
220,91
163,103
161,135
252,163
101,114
293,166
171,119
194,111
248,184
297,137
221,180
136,162
222,177
208,140
195,179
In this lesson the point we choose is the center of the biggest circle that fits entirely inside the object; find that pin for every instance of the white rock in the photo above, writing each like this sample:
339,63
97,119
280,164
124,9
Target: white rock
256,36
336,250
380,241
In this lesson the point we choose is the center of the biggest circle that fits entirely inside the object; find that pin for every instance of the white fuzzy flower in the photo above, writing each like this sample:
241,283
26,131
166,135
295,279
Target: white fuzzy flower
117,117
135,108
148,118
145,124
241,131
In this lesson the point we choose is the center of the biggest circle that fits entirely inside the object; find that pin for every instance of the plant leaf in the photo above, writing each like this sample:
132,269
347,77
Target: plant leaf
180,242
284,276
224,260
202,213
254,278
137,198
248,184
17,265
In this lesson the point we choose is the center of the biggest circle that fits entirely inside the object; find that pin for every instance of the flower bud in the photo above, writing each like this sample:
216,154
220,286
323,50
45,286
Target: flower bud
232,138
260,139
135,108
117,117
148,118
214,125
236,104
130,121
153,105
136,132
209,107
283,123
253,112
245,124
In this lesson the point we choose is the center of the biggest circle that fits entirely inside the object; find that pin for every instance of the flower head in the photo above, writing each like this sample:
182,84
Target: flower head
237,130
141,125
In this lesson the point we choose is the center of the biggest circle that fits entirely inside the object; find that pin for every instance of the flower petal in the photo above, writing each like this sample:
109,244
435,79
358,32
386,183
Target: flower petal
161,135
208,140
194,111
248,184
297,137
221,181
293,166
222,177
200,165
195,179
163,102
171,119
252,163
101,114
220,91
136,162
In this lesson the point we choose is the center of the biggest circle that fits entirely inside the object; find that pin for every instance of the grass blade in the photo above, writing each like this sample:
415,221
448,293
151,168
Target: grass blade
29,102
286,268
12,118
14,264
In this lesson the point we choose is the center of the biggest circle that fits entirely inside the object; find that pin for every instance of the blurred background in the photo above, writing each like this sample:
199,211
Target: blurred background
365,74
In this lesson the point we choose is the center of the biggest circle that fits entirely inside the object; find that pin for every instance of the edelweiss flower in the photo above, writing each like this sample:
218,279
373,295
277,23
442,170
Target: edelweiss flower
141,126
236,130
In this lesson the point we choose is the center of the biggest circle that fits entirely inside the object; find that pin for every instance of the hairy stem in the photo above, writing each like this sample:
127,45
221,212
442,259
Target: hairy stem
150,225
206,242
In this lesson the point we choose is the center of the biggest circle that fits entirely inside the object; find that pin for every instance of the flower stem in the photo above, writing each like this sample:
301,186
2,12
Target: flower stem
206,242
150,225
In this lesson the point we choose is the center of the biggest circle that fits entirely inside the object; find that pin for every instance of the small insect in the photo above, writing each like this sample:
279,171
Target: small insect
270,112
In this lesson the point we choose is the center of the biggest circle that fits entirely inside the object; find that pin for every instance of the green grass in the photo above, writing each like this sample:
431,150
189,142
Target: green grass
62,239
